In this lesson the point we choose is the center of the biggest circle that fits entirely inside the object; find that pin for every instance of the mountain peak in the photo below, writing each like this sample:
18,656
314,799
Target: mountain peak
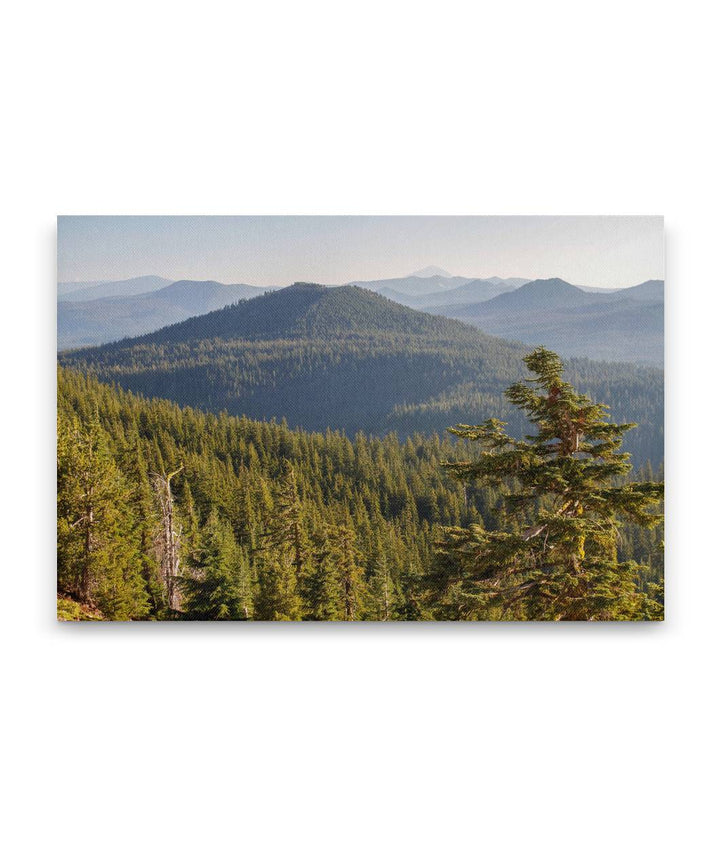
554,282
540,294
431,270
306,286
307,310
650,290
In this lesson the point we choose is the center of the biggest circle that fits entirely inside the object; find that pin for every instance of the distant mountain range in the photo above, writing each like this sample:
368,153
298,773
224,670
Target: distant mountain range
470,291
412,286
93,313
431,270
110,288
111,317
348,358
619,325
626,324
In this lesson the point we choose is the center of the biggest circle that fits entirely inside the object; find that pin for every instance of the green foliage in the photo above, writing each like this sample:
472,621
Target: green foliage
217,586
554,555
72,610
275,524
97,562
349,572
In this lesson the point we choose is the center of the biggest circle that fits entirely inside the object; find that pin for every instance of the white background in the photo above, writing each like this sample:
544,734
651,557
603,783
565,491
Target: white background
356,740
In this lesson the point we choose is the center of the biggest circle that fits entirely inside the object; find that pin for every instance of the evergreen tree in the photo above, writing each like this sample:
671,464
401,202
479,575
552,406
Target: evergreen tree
555,557
217,589
286,530
97,563
278,598
382,592
146,524
321,588
285,555
345,558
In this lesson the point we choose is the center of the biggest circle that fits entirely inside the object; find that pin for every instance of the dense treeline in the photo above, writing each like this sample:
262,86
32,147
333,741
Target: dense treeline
169,512
352,360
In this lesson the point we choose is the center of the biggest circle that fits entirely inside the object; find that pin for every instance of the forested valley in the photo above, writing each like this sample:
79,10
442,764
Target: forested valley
168,512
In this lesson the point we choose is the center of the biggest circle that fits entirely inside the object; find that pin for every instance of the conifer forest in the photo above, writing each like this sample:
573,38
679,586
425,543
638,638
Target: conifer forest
170,512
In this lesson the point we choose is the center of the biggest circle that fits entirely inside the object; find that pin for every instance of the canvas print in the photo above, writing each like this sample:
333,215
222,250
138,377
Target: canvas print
360,418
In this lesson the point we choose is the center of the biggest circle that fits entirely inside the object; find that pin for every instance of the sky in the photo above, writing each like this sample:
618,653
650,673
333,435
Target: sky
605,252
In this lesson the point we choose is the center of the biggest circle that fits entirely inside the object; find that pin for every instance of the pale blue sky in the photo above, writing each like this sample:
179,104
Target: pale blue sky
608,252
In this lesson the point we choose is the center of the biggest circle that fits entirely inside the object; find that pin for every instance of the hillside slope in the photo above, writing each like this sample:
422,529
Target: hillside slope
388,499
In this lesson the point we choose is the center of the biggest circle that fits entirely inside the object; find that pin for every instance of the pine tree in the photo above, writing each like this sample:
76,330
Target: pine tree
216,588
286,530
321,588
349,573
191,525
555,557
285,555
147,524
382,592
278,597
98,556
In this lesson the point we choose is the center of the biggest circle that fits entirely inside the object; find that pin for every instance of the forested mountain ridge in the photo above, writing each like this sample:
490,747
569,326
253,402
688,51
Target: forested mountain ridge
350,359
308,310
269,523
102,312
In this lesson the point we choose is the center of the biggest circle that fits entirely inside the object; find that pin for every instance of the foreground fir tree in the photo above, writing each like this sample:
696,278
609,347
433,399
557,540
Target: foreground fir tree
554,556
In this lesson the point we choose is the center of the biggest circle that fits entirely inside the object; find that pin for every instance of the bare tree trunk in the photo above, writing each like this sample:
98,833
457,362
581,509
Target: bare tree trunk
170,539
386,598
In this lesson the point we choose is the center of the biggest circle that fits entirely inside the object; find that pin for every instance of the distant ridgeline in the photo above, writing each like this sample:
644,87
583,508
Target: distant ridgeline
107,311
627,324
348,358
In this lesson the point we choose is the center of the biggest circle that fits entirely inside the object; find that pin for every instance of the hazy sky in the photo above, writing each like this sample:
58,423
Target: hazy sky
597,251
